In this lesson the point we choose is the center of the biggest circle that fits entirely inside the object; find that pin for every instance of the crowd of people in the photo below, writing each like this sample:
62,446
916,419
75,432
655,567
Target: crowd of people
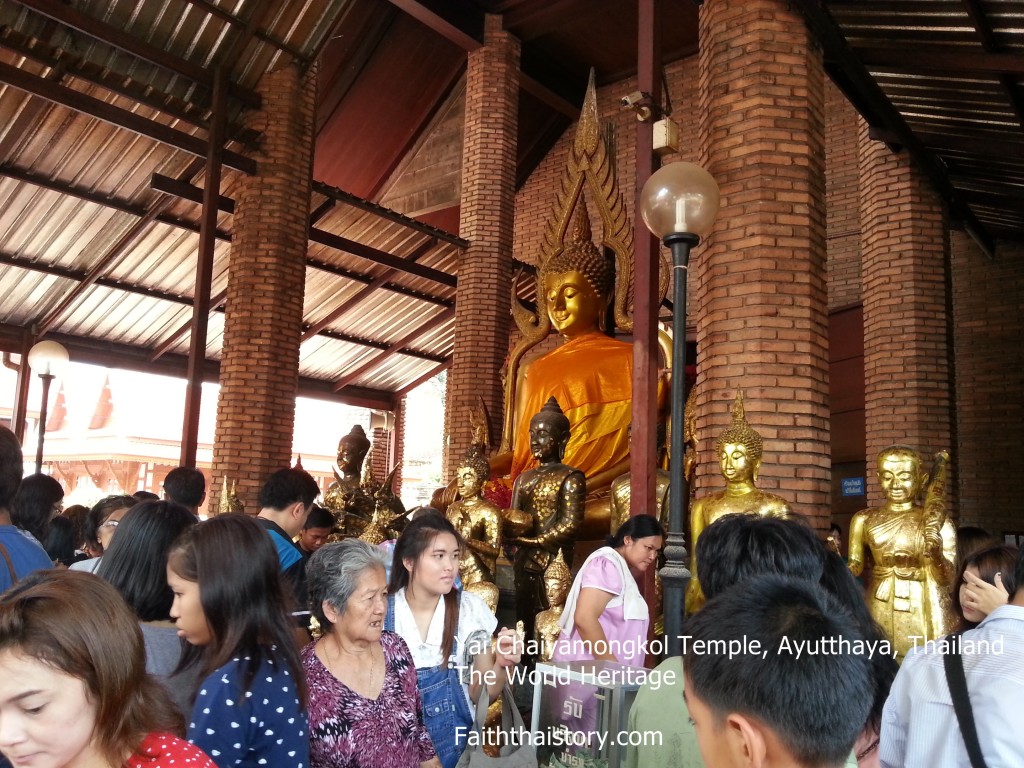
169,641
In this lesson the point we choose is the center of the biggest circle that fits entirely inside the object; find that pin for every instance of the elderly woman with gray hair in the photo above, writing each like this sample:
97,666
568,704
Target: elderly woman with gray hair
364,706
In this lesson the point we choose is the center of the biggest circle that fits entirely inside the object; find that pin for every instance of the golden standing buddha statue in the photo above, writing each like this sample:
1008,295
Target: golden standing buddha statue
739,450
912,549
346,495
557,582
478,521
553,494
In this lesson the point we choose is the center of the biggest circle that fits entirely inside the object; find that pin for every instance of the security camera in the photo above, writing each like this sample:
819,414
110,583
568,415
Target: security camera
641,103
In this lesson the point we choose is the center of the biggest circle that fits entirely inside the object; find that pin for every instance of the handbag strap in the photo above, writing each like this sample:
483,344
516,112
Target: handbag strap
10,565
956,679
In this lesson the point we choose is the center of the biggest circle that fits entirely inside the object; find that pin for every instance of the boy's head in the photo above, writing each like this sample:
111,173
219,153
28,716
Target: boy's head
317,529
740,547
799,697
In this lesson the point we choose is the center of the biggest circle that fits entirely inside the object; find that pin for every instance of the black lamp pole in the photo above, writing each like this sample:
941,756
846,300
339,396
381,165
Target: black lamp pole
674,574
47,378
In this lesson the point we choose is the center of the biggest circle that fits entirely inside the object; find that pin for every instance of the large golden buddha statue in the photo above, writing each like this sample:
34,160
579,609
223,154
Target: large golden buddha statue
739,450
581,286
912,550
478,521
553,494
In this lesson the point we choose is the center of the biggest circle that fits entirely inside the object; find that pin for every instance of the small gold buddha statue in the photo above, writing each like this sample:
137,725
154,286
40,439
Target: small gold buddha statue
557,582
388,517
346,495
739,452
553,493
479,522
912,550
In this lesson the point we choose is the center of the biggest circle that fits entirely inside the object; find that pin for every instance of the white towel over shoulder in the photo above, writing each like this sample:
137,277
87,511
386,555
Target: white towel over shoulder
633,605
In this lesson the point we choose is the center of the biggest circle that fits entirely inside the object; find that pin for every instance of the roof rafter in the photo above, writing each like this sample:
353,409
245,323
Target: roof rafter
190,192
395,348
124,41
101,110
853,78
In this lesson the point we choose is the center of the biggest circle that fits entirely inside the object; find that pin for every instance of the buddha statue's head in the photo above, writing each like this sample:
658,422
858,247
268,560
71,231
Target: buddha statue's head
739,447
549,432
471,474
900,475
557,581
352,450
578,282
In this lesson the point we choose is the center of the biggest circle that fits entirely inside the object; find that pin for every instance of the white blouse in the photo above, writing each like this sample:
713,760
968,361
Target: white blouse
474,616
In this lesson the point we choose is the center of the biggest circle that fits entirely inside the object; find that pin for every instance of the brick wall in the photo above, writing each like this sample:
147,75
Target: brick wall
842,196
989,343
761,304
266,281
908,381
482,316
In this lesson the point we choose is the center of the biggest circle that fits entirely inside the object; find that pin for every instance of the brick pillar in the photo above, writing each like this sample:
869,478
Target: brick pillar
266,281
380,453
760,310
486,221
400,433
907,376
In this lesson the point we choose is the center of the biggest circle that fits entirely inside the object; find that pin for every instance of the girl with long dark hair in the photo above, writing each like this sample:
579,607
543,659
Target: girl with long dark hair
443,626
230,606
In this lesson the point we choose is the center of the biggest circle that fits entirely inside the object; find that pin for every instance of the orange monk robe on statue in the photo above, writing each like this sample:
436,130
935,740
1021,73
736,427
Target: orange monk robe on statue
591,377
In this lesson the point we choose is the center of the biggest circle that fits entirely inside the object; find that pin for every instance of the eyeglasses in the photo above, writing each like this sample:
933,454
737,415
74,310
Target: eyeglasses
110,524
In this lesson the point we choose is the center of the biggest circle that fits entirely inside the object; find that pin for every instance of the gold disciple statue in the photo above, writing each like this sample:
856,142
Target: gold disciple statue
553,494
739,453
478,521
912,549
557,582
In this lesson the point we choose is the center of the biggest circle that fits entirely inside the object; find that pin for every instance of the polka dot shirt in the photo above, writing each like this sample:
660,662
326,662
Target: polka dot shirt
163,750
263,726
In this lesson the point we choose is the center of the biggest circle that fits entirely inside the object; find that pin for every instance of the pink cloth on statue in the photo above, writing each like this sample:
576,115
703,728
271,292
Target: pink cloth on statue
627,638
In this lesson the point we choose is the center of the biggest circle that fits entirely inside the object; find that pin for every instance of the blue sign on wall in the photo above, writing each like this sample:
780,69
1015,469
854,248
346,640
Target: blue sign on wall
853,486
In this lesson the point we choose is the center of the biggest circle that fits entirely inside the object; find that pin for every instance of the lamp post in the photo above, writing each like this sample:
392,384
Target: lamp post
49,360
678,203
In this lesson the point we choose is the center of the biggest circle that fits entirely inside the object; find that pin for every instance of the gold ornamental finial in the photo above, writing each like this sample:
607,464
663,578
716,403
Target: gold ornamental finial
224,505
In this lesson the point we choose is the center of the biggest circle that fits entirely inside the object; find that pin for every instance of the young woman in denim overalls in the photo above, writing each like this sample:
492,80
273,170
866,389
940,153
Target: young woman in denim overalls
437,622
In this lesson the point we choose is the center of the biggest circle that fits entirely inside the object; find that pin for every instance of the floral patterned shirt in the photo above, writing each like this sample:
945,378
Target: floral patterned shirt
349,731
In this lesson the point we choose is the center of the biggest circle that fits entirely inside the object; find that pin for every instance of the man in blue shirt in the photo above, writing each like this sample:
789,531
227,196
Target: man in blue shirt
19,555
285,501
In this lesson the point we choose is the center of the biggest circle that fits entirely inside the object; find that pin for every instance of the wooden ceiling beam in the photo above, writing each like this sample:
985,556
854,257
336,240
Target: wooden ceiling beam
103,264
215,10
116,355
108,113
124,41
849,72
423,379
938,59
979,145
191,192
70,64
395,348
455,22
362,294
